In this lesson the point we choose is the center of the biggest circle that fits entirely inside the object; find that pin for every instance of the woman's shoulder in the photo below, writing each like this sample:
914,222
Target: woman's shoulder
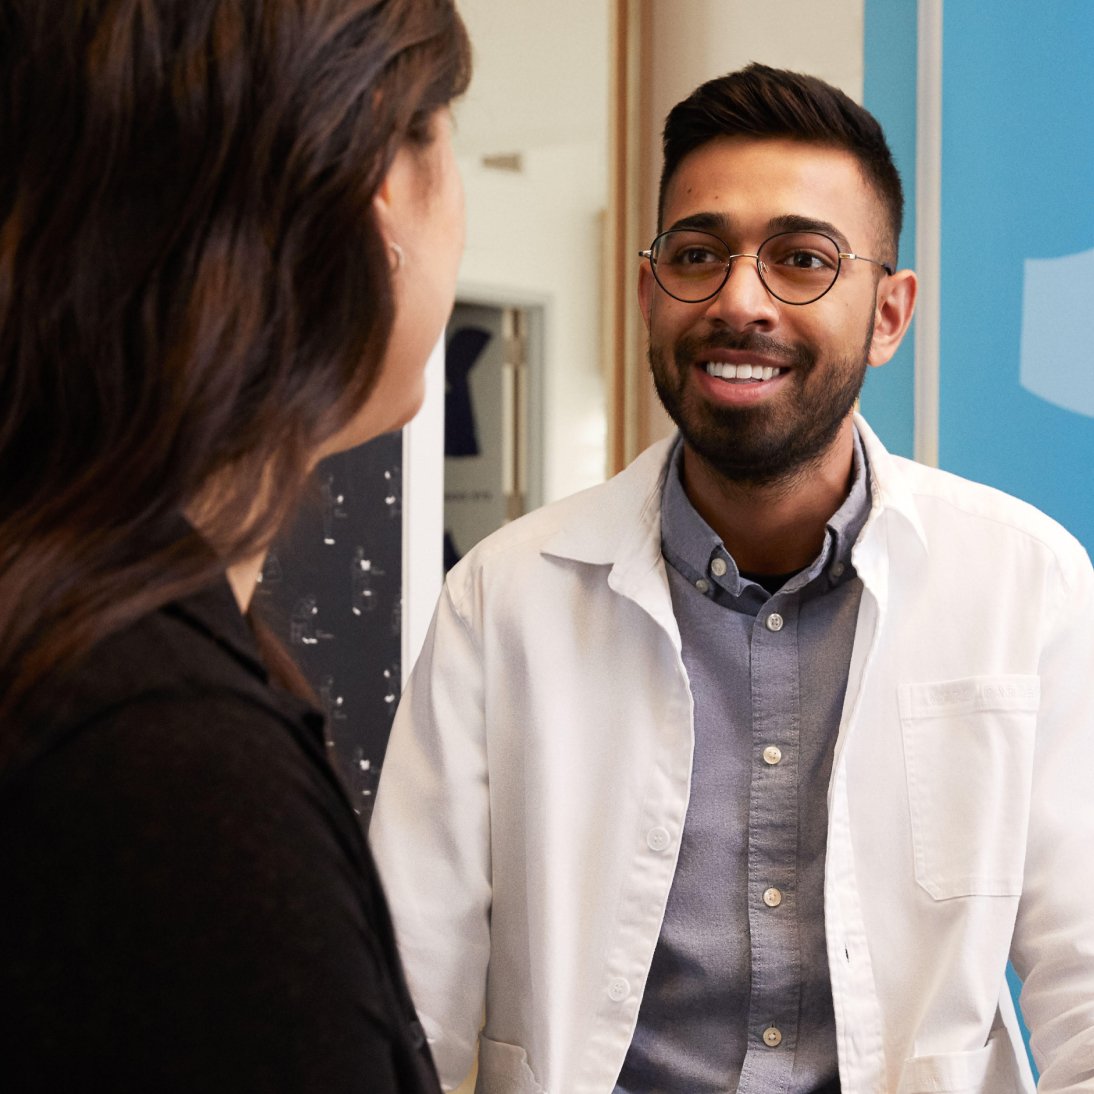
178,707
183,849
191,663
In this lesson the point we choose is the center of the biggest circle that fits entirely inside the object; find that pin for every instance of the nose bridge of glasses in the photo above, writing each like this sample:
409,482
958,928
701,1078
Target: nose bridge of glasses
757,264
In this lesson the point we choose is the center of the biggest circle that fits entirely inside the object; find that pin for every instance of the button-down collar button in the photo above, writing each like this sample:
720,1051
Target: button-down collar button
772,1037
772,754
618,989
718,567
657,839
703,585
774,622
838,569
772,897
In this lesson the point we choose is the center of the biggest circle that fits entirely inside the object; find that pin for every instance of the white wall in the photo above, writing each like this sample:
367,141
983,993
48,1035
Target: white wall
540,91
694,40
537,236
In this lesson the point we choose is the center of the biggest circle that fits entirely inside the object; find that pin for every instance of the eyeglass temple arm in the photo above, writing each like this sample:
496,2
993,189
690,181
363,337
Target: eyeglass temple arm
862,258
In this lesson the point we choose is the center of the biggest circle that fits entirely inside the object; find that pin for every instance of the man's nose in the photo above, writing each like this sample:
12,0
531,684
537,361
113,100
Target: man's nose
743,301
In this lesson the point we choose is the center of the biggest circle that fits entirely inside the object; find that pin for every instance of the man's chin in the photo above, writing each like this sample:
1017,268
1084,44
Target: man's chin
741,460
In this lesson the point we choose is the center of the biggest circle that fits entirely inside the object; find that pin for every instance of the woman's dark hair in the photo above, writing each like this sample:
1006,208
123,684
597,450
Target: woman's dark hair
194,288
762,102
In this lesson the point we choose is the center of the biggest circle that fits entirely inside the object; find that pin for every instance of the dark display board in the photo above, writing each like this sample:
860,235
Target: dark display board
332,590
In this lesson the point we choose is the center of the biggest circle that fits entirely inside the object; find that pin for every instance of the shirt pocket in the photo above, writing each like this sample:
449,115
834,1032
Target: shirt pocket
968,752
503,1069
987,1070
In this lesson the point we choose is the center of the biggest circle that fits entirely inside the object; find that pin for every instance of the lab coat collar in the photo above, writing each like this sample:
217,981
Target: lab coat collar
601,527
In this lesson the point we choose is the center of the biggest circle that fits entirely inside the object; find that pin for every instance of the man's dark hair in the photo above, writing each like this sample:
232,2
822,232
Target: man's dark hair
761,102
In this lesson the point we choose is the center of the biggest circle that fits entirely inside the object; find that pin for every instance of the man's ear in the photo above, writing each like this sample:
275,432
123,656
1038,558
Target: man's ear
892,315
647,286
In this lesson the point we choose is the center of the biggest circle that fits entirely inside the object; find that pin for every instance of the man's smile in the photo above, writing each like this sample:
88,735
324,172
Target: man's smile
723,370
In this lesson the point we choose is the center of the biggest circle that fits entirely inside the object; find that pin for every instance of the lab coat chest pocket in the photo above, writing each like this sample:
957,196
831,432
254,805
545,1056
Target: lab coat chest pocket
968,751
984,1070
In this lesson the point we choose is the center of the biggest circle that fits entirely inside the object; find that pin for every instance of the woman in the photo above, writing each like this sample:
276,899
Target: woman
229,233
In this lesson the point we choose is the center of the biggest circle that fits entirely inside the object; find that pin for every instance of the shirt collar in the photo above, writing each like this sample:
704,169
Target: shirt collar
692,547
215,612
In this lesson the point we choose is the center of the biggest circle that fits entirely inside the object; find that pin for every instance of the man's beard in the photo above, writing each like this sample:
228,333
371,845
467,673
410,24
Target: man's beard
776,440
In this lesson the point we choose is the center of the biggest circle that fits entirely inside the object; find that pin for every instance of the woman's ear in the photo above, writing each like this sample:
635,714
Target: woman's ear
892,315
393,200
381,203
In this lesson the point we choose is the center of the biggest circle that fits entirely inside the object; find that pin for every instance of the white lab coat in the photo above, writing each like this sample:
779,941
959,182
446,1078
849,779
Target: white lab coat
537,779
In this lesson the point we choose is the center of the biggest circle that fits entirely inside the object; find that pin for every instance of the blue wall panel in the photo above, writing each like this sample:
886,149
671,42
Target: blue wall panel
1017,345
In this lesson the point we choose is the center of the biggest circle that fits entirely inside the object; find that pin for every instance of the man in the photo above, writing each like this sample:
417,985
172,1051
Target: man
750,769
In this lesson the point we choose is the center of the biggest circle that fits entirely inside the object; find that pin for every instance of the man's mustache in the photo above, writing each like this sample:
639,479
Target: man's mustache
696,348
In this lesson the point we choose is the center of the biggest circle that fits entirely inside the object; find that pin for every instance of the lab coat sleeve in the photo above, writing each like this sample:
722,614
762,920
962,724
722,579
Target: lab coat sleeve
1054,938
430,834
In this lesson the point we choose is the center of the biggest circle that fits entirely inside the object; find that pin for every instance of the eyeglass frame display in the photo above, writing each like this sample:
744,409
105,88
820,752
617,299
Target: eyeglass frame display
728,268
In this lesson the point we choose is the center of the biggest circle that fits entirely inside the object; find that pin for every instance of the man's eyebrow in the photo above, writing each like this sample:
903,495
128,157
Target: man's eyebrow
791,222
722,226
716,223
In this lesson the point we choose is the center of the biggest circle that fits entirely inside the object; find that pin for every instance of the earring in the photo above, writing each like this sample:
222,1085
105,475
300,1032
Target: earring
397,259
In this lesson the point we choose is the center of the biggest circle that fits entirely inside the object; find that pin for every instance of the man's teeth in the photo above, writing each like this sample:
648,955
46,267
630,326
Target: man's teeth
725,371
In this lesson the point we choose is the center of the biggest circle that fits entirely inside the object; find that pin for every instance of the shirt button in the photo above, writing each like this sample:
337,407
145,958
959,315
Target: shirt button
772,897
618,989
774,622
772,754
718,567
837,569
702,585
657,839
772,1037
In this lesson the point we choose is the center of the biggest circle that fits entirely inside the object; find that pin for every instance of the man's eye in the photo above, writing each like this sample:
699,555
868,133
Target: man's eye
804,260
696,256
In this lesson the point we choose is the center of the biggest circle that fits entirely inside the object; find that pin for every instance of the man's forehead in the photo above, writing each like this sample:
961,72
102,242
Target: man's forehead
733,184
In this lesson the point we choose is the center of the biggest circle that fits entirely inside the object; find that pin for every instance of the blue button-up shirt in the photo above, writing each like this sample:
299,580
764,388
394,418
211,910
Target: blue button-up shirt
738,996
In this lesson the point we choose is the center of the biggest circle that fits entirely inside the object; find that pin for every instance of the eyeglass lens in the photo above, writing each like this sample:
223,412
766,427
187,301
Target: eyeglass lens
796,267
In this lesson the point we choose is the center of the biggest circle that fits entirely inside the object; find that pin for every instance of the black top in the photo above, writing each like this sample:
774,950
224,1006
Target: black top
186,899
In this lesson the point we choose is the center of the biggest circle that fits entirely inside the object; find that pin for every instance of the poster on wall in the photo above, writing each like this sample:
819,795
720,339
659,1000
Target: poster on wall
331,589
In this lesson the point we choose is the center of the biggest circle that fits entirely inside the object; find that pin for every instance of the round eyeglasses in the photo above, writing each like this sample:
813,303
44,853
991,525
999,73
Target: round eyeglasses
795,267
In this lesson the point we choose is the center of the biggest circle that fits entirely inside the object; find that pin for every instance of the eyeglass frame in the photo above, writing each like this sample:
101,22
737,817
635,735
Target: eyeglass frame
840,256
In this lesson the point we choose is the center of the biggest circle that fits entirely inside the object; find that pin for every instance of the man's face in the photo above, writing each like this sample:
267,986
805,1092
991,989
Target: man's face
761,430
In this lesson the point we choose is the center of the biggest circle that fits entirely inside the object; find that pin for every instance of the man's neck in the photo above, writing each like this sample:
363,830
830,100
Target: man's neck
775,527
